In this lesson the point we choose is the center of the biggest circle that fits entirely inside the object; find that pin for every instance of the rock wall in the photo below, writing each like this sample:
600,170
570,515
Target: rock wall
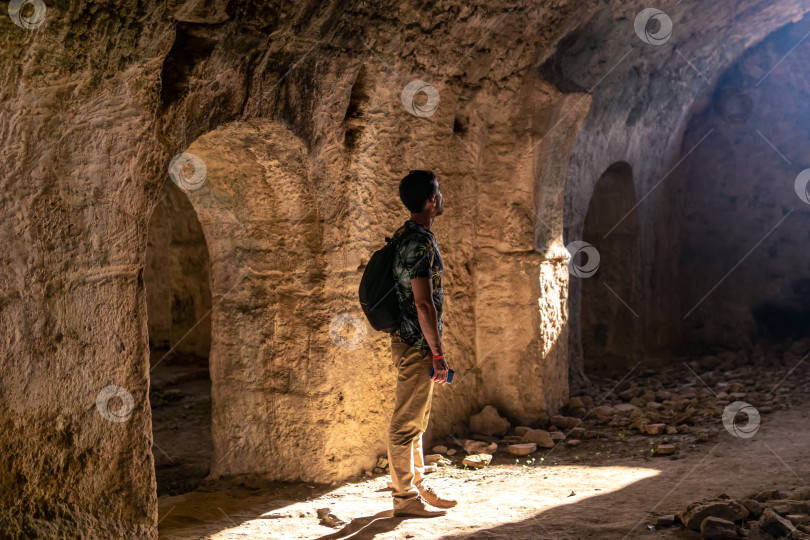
643,96
297,114
743,226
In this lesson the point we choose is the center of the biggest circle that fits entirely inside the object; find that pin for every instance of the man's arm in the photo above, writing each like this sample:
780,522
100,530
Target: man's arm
429,323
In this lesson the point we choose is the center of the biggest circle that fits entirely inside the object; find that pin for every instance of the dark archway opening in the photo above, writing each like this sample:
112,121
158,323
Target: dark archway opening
743,206
609,297
178,307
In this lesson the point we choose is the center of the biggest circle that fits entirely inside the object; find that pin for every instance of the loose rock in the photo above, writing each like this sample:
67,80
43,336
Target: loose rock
655,429
479,447
540,437
665,450
521,449
489,422
728,510
774,524
714,528
478,461
328,518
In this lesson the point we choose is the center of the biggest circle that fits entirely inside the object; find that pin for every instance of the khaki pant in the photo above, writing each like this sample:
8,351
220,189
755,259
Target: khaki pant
410,418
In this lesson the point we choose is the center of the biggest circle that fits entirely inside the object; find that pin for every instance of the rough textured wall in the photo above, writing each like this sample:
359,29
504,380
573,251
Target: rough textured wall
737,195
178,293
295,108
642,99
297,112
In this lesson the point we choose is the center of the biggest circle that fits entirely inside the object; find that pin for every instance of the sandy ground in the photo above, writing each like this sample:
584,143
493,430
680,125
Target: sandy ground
604,488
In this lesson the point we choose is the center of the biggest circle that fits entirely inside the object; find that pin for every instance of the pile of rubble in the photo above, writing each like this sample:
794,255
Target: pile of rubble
766,515
677,406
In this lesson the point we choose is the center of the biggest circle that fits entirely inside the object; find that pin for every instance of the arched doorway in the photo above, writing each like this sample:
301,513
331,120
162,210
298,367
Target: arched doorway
609,297
178,307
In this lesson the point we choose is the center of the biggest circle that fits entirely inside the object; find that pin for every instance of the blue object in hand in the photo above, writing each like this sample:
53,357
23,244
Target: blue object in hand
449,374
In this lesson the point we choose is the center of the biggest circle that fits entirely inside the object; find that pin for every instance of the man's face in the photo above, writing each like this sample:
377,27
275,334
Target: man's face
438,200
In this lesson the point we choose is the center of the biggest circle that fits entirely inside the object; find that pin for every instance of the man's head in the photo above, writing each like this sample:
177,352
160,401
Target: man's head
420,193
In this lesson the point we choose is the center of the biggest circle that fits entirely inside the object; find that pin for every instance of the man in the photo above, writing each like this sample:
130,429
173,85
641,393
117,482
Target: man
417,345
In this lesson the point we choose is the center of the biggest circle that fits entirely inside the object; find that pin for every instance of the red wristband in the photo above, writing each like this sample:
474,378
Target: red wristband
437,357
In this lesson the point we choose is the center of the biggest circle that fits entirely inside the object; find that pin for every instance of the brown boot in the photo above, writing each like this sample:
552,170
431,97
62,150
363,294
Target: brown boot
416,507
433,498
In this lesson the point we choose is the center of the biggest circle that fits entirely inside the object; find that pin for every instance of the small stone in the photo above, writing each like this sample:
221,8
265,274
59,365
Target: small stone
566,422
427,469
573,442
664,449
479,447
368,473
489,422
798,519
579,413
798,507
655,429
577,432
755,508
728,510
557,436
329,519
774,524
665,521
604,411
439,449
521,449
637,402
378,470
672,430
382,462
576,403
714,528
432,459
512,439
625,408
477,461
540,437
520,431
451,451
767,495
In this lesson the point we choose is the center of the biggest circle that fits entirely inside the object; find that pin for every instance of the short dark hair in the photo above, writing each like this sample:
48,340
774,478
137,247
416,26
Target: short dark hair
415,189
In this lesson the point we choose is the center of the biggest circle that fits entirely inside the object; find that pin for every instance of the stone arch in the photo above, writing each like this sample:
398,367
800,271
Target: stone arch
608,318
249,184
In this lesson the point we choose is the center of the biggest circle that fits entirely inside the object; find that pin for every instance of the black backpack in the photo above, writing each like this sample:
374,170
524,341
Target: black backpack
378,289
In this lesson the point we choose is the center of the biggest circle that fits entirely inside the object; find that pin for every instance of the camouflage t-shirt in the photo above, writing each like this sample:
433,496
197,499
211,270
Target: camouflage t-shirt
417,256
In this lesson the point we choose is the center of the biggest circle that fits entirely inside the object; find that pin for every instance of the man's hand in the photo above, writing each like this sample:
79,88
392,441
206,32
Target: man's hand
440,370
